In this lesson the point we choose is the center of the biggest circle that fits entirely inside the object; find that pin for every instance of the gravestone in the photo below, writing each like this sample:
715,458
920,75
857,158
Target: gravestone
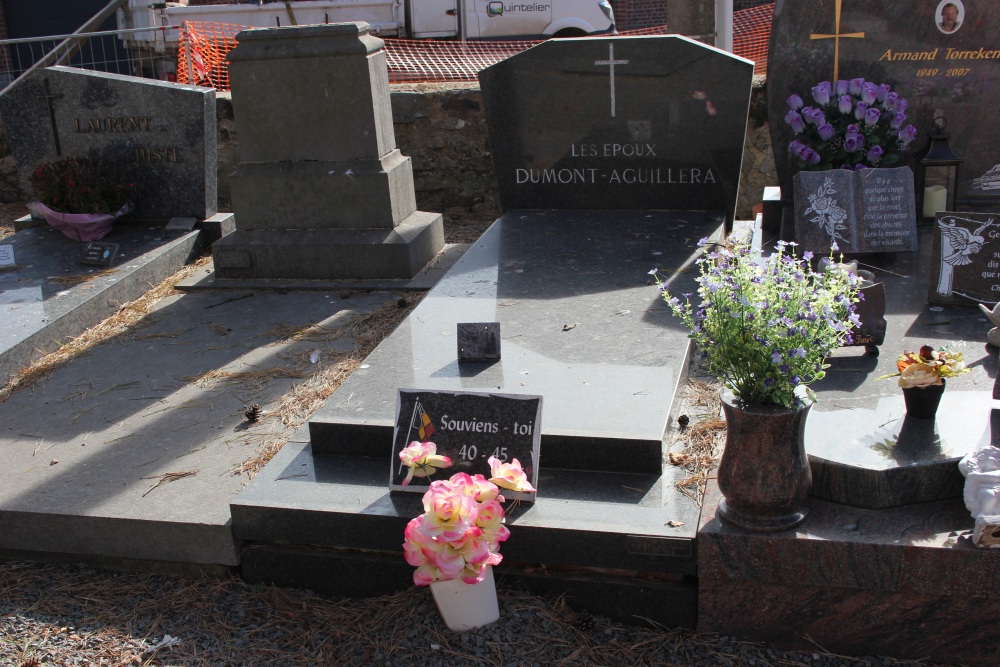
653,123
965,264
165,131
582,326
321,191
871,210
955,72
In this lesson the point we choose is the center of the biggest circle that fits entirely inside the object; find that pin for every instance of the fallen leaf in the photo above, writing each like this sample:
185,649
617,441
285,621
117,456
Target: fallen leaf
675,524
567,327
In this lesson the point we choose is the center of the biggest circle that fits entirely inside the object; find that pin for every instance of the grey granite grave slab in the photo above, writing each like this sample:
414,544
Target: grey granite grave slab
84,451
582,327
51,297
165,131
639,123
898,43
862,451
318,522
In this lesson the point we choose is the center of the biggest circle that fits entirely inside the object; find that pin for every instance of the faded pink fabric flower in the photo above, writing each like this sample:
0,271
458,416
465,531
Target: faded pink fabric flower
918,375
509,475
422,459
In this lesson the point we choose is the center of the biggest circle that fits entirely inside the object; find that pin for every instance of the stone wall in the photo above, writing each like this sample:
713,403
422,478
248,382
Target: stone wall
442,128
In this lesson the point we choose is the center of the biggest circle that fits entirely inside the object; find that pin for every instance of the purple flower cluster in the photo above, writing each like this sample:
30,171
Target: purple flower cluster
854,125
766,325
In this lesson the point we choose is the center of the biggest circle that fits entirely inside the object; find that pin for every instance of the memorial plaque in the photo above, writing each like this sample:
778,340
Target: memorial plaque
966,259
468,428
872,210
937,65
165,131
99,254
7,257
636,123
478,341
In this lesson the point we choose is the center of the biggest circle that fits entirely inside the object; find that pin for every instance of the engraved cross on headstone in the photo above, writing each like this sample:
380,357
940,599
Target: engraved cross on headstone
611,62
48,97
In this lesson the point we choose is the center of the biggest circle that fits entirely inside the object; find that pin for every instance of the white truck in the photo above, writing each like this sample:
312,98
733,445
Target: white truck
415,19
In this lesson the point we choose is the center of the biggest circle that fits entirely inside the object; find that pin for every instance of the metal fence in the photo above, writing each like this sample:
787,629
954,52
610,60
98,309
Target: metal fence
104,51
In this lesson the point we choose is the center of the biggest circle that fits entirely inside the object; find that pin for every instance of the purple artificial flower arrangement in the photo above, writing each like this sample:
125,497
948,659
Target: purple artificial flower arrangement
853,125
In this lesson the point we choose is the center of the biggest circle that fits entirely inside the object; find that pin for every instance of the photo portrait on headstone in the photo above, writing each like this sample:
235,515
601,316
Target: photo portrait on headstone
950,15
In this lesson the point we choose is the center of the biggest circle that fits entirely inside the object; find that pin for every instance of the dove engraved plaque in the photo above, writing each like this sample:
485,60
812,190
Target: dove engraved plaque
965,267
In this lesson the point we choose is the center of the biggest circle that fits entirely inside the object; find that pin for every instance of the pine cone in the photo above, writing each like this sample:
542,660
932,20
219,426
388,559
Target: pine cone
252,412
585,623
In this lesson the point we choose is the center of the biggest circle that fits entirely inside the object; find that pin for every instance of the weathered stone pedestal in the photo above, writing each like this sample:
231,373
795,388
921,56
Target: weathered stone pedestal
321,191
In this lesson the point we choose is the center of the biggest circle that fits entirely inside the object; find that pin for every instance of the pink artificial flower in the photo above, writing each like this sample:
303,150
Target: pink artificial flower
509,475
448,512
422,459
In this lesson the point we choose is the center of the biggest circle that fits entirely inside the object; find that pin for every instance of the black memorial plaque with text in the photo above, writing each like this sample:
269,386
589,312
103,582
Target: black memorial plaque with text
618,123
469,428
937,65
965,267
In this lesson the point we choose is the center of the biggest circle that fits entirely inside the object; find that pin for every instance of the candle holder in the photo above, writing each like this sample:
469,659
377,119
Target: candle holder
936,174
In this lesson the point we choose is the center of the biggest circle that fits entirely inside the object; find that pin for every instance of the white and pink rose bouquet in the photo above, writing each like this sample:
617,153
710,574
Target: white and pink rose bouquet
460,531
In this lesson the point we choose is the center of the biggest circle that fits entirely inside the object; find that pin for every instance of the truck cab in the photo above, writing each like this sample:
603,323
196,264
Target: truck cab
509,19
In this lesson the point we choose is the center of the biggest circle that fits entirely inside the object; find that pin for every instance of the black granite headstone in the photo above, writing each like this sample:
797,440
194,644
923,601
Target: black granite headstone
469,428
872,210
965,265
953,70
165,131
637,123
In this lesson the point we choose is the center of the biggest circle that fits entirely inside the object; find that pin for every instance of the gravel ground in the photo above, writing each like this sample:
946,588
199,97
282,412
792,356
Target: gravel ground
68,615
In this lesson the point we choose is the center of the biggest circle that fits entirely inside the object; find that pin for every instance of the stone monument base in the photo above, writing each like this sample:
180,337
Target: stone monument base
327,254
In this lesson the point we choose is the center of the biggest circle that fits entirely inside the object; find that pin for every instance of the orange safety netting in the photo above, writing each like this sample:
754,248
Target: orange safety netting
201,58
201,55
751,32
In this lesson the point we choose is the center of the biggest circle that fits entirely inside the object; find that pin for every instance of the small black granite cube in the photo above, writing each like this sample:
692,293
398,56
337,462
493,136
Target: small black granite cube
478,340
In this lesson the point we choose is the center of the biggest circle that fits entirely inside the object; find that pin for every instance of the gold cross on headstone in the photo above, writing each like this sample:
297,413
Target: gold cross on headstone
836,40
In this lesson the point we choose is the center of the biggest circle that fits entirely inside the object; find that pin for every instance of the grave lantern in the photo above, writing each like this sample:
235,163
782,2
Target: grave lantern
937,172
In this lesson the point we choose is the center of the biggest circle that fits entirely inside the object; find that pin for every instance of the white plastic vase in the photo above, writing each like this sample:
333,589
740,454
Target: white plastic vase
465,606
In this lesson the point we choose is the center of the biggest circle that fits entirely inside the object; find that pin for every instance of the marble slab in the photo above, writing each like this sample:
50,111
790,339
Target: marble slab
50,296
904,582
621,123
582,325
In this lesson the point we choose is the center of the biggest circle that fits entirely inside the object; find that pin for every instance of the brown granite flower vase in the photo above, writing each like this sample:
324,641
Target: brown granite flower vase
764,473
922,402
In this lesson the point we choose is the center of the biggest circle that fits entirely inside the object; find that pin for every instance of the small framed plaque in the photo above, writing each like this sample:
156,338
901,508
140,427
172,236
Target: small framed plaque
469,428
99,254
478,341
7,257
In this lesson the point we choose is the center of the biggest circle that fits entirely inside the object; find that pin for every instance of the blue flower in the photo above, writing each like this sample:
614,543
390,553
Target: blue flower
799,352
776,357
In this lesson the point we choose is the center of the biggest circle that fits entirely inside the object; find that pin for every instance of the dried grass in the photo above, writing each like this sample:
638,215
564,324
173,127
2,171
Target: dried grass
701,441
79,278
249,379
296,405
127,317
